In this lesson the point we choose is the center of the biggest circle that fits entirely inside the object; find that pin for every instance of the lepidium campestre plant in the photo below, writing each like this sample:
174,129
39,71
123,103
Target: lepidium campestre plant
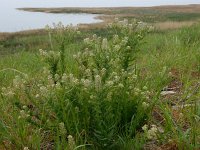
60,39
131,35
106,91
101,106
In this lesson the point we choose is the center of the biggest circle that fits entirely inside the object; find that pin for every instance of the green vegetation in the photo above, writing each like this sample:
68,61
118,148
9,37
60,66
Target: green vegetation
182,16
101,88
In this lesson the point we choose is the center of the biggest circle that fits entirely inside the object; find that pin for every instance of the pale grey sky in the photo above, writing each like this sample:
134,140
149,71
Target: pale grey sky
92,3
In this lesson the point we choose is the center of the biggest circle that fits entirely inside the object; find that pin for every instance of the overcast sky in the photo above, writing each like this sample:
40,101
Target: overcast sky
92,3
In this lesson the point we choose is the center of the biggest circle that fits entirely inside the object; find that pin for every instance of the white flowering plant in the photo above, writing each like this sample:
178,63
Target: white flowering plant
104,102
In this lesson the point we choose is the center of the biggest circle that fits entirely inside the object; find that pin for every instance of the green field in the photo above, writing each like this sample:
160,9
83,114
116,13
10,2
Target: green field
127,86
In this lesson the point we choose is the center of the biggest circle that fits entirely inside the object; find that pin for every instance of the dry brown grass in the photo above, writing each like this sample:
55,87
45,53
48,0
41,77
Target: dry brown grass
193,8
173,24
4,36
116,10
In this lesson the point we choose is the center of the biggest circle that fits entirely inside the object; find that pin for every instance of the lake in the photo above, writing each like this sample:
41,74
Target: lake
12,20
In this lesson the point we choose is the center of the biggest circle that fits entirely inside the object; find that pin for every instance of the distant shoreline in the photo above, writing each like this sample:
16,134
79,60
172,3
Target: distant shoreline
183,14
163,17
102,10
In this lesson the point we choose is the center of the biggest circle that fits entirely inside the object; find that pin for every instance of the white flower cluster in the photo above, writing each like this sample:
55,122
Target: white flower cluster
43,90
150,133
134,28
87,41
120,23
26,148
145,105
71,143
62,129
59,28
19,84
7,92
105,45
24,114
47,55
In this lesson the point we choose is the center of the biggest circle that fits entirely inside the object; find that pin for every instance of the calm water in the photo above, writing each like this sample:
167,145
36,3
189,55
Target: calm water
14,20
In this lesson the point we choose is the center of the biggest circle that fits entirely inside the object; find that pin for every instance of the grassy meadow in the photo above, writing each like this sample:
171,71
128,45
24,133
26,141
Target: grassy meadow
127,85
